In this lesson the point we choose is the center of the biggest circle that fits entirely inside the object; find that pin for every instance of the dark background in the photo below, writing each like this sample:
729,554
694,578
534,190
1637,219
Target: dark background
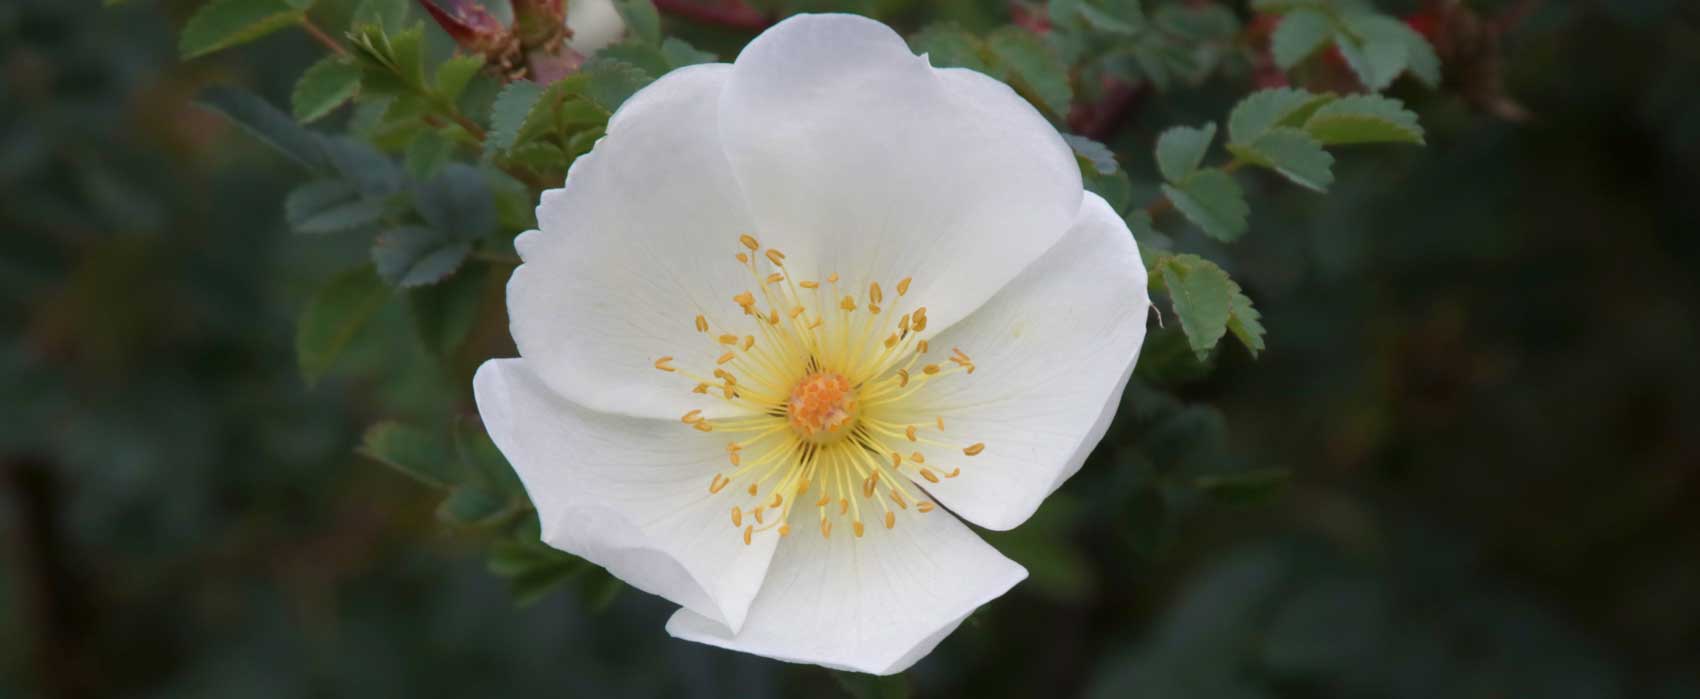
1483,376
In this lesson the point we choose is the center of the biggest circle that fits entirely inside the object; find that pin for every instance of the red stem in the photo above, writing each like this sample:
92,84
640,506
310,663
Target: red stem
734,14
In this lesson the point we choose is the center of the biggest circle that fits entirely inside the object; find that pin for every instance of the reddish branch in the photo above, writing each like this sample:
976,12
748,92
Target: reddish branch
733,14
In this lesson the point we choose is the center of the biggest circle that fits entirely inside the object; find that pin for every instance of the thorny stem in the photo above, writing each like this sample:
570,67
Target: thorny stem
320,36
1162,205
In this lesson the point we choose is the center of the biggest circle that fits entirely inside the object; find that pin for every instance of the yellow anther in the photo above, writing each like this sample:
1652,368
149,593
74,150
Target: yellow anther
719,481
703,426
733,457
825,529
910,433
701,388
897,497
874,294
975,448
749,242
903,324
776,501
843,506
754,488
928,474
749,341
748,531
817,323
832,278
954,472
773,316
824,499
874,308
890,519
665,364
743,259
848,304
702,324
728,339
903,286
776,257
930,369
940,419
924,506
803,486
868,488
737,516
745,299
691,417
891,342
725,376
795,311
784,530
902,378
920,345
809,285
917,457
775,278
724,358
757,513
896,460
856,526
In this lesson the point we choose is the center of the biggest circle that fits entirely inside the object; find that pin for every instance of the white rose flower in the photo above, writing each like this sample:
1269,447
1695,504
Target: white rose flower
793,317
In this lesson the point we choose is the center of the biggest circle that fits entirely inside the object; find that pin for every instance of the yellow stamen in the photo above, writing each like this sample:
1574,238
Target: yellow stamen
665,364
975,448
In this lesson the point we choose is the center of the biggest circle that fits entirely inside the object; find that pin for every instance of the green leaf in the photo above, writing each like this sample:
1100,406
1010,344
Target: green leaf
860,686
1181,149
393,64
469,506
457,202
1376,62
1092,153
221,24
1291,152
610,82
443,314
372,172
1244,321
1299,35
1245,487
509,114
421,454
332,318
1126,23
948,45
642,21
1035,68
1364,119
1214,202
679,53
454,74
1266,109
329,206
268,124
428,152
324,87
1418,56
412,256
1201,294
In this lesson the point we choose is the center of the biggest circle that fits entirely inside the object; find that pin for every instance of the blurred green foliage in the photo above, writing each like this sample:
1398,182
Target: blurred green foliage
1460,465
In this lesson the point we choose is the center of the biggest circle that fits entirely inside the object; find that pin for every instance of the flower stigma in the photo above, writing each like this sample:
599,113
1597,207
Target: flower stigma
822,376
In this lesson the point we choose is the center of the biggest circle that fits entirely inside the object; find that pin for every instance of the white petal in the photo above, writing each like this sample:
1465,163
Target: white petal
595,24
857,157
1052,351
628,494
638,242
876,604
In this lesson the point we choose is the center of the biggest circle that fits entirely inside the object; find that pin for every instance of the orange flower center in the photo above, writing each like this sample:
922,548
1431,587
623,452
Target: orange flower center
822,407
